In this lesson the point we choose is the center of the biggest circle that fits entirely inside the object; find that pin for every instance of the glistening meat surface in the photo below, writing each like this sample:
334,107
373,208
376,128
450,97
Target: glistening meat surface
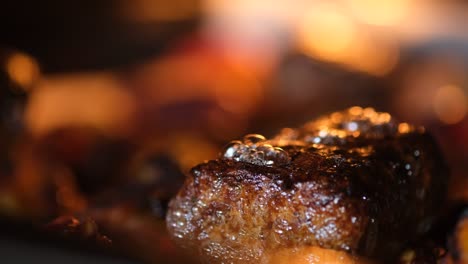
356,181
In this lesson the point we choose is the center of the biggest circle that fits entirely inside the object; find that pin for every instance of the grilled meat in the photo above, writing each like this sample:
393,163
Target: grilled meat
355,181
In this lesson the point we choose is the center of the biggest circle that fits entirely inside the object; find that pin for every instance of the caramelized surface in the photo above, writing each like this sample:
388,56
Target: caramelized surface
355,181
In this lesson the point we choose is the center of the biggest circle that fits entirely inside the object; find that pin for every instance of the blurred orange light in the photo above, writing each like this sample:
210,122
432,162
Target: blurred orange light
326,33
371,55
247,10
189,75
403,128
190,150
384,118
329,35
450,104
95,100
355,110
382,12
22,69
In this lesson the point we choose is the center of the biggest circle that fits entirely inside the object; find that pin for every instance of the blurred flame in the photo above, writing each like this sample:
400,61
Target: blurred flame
450,104
326,30
382,12
329,35
22,69
250,32
90,100
200,74
326,33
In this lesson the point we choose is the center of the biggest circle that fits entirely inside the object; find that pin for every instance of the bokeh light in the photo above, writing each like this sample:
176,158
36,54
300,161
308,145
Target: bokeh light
326,33
22,69
450,104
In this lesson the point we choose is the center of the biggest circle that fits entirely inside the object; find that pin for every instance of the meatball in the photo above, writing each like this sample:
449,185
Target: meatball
355,181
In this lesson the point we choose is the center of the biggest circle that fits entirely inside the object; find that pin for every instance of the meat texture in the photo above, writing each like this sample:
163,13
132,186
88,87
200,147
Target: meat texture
355,181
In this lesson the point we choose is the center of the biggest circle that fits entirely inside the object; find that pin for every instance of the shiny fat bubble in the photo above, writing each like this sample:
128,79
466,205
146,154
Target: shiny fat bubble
255,149
231,149
253,139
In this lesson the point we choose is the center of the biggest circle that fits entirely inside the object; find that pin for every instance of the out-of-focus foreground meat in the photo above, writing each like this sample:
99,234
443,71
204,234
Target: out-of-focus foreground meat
355,181
458,243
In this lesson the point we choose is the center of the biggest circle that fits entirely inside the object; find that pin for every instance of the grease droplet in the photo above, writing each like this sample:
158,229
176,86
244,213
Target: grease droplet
255,149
